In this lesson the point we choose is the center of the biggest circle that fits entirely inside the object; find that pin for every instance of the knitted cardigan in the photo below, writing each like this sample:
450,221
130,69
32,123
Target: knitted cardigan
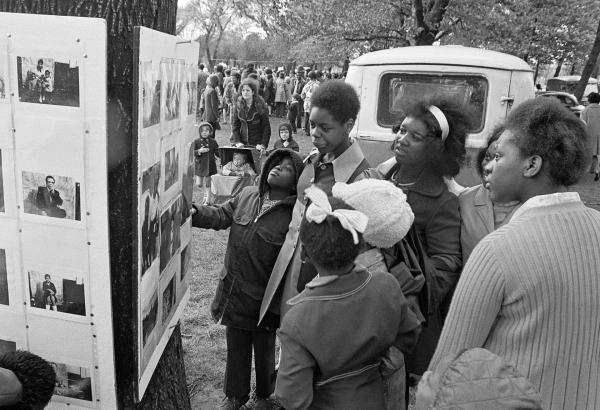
530,293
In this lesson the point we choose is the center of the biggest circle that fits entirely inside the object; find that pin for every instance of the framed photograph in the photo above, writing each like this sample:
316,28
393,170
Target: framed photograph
170,232
4,299
168,300
151,84
187,182
150,224
186,259
149,316
44,80
171,167
190,88
57,292
72,381
53,196
7,346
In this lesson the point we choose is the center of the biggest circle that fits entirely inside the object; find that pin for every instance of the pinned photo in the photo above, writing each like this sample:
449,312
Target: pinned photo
171,167
168,300
151,84
51,195
72,381
3,84
187,182
4,300
170,232
149,315
190,87
150,225
56,292
186,259
47,81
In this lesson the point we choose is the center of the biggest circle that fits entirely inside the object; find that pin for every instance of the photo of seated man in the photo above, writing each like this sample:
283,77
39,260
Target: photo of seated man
48,200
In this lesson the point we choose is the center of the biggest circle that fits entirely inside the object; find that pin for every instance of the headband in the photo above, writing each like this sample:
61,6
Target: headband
441,119
351,220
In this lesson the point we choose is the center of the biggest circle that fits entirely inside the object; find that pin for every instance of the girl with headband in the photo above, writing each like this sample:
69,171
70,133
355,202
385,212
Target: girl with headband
429,146
340,326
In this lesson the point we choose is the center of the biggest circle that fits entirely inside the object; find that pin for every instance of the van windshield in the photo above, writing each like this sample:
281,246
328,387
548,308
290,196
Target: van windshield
396,90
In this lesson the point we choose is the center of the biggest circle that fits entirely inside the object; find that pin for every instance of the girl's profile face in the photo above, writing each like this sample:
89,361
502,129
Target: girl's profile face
412,142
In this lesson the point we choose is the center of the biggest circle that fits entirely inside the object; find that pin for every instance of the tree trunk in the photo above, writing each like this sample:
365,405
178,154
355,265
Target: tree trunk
589,66
537,71
559,67
167,389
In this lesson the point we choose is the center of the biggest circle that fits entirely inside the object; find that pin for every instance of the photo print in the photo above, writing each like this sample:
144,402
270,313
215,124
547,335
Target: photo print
190,87
51,195
4,300
171,167
57,292
187,182
1,185
149,315
48,81
3,81
149,210
170,232
6,346
168,300
171,75
186,260
72,381
150,94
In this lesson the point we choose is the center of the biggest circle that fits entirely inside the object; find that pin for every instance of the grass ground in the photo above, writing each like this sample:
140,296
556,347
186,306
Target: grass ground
203,340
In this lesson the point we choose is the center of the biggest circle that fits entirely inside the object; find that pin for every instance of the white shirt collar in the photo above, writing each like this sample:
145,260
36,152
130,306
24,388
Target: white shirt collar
546,200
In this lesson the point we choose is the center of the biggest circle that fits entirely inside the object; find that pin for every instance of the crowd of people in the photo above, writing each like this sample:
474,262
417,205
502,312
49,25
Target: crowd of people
376,277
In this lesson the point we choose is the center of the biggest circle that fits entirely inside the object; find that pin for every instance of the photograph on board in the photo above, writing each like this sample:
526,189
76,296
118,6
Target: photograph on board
7,346
186,260
187,182
48,81
149,202
72,381
149,315
190,87
51,195
4,299
57,292
170,232
168,300
150,94
1,185
171,167
3,81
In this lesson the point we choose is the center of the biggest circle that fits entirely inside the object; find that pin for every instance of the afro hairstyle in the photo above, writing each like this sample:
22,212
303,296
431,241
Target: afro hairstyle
337,97
328,244
544,127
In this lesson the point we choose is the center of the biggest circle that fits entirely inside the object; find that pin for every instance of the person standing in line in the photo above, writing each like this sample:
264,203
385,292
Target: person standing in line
231,93
307,91
530,291
211,102
250,125
591,116
282,95
202,77
298,84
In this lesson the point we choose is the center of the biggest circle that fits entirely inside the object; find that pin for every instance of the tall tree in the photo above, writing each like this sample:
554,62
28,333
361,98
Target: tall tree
589,66
167,388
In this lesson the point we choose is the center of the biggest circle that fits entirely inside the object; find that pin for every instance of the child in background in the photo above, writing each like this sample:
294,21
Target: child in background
341,325
285,138
238,166
205,153
259,217
293,111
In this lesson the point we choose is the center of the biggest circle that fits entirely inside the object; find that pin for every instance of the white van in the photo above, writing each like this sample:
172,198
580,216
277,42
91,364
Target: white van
488,82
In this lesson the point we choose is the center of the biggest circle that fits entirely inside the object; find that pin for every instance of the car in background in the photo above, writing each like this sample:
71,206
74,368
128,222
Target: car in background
566,99
568,83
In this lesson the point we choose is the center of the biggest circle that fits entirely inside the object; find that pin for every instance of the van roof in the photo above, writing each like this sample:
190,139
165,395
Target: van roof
443,55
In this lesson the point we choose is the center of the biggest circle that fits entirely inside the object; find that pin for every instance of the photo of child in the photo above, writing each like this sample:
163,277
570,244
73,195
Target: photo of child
56,292
47,81
171,167
168,300
150,94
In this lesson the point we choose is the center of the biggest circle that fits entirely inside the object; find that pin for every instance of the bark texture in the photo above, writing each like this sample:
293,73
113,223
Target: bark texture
167,389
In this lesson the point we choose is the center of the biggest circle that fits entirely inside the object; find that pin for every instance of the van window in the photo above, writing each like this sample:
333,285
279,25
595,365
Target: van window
398,89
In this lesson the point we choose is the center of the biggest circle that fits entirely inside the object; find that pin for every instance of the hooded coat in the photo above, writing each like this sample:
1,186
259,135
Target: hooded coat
293,145
205,164
254,242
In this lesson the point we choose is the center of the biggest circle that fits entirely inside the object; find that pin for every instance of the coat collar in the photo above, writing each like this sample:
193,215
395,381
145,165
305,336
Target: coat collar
428,184
345,165
333,288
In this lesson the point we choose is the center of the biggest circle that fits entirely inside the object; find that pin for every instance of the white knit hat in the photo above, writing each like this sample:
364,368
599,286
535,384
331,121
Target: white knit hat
390,216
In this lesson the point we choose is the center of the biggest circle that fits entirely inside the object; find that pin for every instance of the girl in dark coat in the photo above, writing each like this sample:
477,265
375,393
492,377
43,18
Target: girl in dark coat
259,217
250,119
205,153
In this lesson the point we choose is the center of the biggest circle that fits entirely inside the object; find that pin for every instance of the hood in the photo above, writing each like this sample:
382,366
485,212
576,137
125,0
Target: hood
271,162
286,125
203,123
476,379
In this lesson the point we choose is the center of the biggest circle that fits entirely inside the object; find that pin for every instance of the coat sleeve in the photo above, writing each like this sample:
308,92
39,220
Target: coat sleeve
236,126
476,305
294,385
266,127
215,217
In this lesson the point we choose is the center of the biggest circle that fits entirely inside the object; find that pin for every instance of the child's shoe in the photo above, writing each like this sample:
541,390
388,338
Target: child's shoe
233,403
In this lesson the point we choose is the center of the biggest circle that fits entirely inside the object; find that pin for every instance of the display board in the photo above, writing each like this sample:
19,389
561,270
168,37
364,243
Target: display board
166,77
54,253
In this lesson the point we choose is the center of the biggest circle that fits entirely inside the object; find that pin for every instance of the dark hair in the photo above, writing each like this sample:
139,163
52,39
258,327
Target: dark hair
47,275
544,127
250,82
253,75
312,75
337,97
213,80
219,68
268,71
335,76
447,161
594,98
228,72
496,132
201,66
296,97
41,60
237,74
328,244
50,176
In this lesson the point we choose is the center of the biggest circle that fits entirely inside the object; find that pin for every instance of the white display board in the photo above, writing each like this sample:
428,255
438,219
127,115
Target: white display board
55,297
166,77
